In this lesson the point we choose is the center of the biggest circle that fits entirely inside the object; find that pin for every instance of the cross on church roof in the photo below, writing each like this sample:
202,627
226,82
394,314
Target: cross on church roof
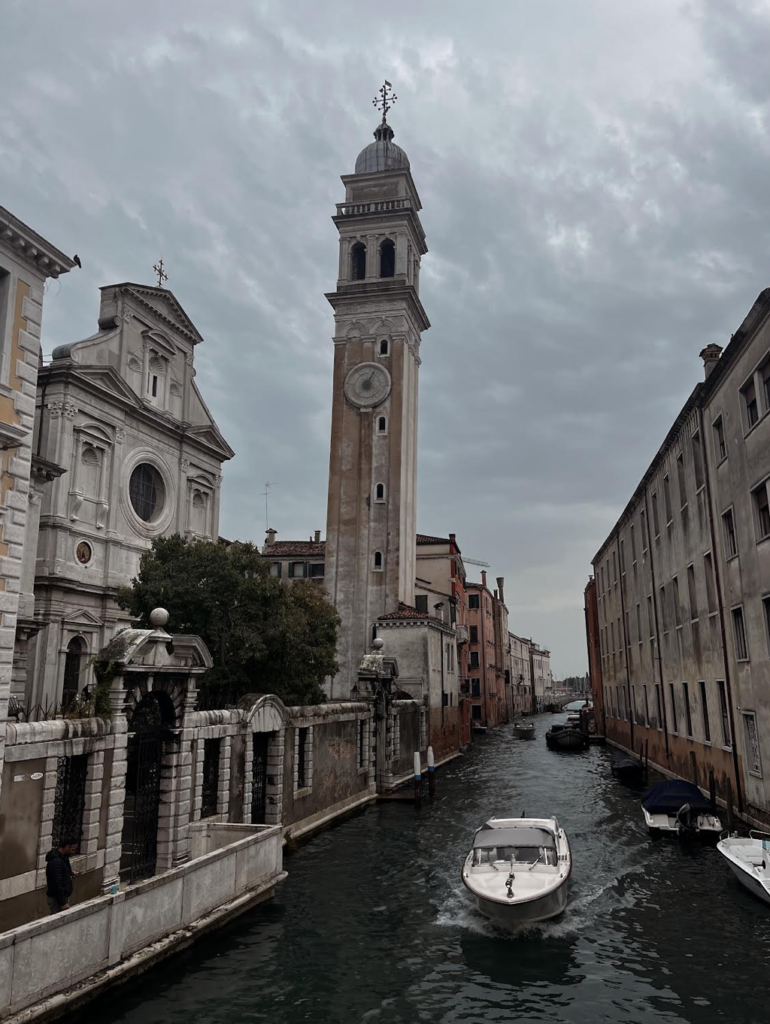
162,276
385,100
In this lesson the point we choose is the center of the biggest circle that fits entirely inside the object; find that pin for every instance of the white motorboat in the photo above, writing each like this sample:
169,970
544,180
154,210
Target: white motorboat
749,861
518,870
676,807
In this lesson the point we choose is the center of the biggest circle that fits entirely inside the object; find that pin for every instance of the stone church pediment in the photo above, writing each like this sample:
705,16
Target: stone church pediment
108,380
81,617
210,436
167,308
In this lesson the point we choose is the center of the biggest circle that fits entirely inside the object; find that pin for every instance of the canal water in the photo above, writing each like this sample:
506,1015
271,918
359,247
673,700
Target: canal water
374,925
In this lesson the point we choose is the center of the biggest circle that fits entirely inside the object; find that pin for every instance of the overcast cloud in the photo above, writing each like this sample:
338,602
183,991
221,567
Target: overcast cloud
594,177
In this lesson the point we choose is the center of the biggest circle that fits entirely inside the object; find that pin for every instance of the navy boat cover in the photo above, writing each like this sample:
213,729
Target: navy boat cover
668,796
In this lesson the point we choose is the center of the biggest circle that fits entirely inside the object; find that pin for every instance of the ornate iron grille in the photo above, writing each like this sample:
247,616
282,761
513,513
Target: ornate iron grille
211,749
140,819
70,799
259,777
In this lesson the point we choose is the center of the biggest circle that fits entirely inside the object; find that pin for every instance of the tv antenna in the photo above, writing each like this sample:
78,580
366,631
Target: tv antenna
266,492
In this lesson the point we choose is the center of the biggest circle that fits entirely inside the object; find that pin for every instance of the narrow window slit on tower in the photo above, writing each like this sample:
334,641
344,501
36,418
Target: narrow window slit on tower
382,425
379,493
377,564
358,262
384,347
387,259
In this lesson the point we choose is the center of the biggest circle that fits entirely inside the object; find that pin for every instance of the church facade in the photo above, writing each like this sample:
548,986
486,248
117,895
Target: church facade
121,418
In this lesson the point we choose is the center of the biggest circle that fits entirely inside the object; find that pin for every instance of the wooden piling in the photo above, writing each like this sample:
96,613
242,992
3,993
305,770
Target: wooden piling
729,803
431,774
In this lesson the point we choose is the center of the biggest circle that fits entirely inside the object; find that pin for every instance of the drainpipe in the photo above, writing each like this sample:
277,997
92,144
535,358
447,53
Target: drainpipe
721,609
657,626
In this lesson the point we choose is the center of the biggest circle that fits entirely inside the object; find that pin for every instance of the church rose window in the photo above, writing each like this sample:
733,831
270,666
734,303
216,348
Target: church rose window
146,492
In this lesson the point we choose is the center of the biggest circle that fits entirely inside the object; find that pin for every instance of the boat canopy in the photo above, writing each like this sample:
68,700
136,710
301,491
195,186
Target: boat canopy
669,796
526,835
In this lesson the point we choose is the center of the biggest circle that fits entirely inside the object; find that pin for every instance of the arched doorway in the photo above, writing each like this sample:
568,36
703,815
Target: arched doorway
152,716
73,663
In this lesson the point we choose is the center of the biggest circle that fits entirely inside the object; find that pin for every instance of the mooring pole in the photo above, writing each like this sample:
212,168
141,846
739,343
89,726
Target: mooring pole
729,802
417,778
431,773
712,790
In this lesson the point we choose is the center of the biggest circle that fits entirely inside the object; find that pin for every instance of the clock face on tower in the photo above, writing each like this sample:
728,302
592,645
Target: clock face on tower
367,385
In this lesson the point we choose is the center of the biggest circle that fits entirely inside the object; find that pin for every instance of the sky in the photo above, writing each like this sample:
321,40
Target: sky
594,180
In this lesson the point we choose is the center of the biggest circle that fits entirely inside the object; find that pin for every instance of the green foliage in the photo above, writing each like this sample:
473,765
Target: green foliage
97,704
264,637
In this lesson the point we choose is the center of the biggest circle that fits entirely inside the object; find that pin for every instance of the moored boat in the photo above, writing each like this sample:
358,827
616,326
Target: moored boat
676,807
565,737
626,768
518,870
524,730
749,861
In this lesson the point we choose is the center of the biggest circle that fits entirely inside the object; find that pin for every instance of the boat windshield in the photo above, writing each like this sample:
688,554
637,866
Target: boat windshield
520,855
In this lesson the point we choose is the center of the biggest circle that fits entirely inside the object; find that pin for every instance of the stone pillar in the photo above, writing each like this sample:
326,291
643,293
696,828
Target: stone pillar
116,795
186,775
274,782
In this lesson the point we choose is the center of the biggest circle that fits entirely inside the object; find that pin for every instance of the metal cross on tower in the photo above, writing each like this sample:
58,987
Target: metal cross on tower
385,100
162,276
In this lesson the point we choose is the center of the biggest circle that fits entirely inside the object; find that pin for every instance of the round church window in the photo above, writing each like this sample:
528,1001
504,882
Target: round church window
147,492
83,553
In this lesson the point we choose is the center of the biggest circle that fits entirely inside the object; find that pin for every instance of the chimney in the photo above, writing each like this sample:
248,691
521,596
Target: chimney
317,537
270,537
453,538
500,588
483,577
710,356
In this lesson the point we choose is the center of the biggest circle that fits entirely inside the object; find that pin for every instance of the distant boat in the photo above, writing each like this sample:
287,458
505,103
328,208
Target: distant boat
749,860
524,730
565,737
679,808
478,727
518,869
627,769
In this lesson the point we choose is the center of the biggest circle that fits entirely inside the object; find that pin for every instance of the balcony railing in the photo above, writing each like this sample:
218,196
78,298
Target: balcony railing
379,206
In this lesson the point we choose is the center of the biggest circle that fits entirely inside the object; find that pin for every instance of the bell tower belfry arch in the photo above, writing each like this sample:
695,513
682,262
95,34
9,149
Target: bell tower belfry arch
371,513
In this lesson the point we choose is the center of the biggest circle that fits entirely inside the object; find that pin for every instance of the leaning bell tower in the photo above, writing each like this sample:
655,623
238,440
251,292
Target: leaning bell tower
378,320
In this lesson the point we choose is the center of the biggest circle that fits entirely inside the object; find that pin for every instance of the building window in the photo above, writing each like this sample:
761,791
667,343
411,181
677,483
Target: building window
752,743
655,517
275,569
476,712
765,374
672,695
667,499
302,758
147,492
711,591
474,663
69,799
73,664
210,791
643,521
379,492
697,459
316,570
387,259
382,425
297,570
473,600
615,567
377,561
664,609
766,610
623,558
682,479
358,262
474,634
421,603
384,347
749,394
650,616
705,711
475,687
728,529
633,544
739,634
677,602
693,594
639,622
762,510
659,706
362,743
726,735
719,439
687,712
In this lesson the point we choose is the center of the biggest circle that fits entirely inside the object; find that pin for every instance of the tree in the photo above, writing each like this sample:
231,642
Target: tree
264,636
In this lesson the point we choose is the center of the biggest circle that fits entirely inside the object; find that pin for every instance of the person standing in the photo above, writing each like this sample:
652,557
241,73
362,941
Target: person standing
59,875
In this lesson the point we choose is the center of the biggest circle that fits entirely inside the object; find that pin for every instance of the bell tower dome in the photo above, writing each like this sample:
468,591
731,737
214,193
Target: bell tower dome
379,319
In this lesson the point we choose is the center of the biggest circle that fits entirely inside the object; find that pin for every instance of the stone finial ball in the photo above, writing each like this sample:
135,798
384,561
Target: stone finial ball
159,618
378,643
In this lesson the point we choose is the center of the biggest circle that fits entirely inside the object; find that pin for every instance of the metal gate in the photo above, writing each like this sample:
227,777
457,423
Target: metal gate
140,815
259,779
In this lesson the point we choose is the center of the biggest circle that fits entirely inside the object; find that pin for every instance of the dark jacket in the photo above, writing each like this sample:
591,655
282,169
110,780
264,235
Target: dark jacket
58,876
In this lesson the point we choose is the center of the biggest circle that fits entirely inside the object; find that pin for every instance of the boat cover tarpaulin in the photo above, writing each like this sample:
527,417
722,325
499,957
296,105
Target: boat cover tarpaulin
667,797
526,835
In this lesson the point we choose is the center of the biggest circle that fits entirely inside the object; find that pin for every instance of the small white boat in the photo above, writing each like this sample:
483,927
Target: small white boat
518,870
678,807
749,860
524,730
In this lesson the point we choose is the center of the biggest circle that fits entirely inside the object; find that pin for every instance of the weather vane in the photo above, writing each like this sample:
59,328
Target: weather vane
385,100
162,275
